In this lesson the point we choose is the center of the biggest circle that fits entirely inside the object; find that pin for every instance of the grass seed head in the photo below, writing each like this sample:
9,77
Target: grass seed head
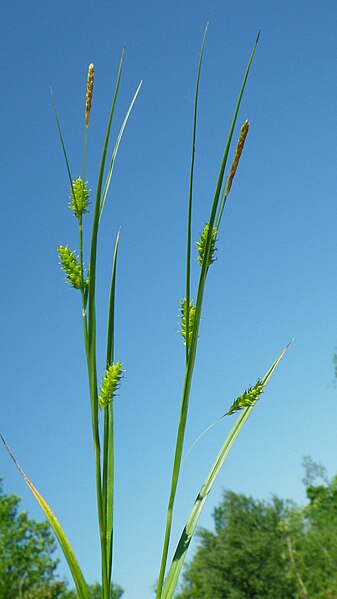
71,266
183,320
110,384
88,96
201,245
238,152
248,398
79,197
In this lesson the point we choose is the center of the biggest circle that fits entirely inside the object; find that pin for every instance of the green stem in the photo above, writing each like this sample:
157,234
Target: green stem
85,152
221,208
181,434
80,227
92,371
194,342
92,368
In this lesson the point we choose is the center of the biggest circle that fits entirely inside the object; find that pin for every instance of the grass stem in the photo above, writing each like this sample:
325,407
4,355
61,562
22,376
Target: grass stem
194,341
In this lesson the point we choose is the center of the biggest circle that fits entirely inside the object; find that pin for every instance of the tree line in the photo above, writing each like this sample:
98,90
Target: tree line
269,549
259,549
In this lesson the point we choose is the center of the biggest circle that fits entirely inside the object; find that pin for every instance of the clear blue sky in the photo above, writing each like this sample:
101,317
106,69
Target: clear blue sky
275,277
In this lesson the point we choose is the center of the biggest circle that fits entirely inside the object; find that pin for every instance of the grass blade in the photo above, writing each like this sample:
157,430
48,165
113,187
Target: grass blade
115,150
190,198
176,466
186,536
91,345
97,212
218,190
61,140
75,570
194,340
108,443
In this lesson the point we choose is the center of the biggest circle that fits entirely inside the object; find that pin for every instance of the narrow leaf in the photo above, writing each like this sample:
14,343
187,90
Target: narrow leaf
190,197
192,350
76,572
61,139
108,446
115,150
91,354
189,529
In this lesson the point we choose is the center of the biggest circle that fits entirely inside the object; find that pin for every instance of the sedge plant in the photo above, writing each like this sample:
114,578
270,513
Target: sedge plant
102,392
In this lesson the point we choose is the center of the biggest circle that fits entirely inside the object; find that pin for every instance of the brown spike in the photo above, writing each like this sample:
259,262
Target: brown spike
88,96
238,152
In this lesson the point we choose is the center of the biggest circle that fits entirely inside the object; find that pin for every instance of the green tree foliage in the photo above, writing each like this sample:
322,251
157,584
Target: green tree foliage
318,551
57,590
245,557
51,590
95,592
271,549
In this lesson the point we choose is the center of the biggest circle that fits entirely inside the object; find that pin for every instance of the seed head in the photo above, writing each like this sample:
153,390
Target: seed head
183,320
248,398
70,264
238,152
201,245
110,384
79,197
88,96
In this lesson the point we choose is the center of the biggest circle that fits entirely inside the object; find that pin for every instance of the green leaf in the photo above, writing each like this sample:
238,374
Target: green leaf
108,439
61,140
115,150
76,572
189,529
192,349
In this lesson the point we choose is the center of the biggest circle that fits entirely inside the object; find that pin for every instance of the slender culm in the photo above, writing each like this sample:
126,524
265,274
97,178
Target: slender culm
238,152
88,96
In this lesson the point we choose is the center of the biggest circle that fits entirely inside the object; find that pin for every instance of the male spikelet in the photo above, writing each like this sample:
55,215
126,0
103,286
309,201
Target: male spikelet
247,399
183,320
238,152
71,266
110,384
88,96
201,245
